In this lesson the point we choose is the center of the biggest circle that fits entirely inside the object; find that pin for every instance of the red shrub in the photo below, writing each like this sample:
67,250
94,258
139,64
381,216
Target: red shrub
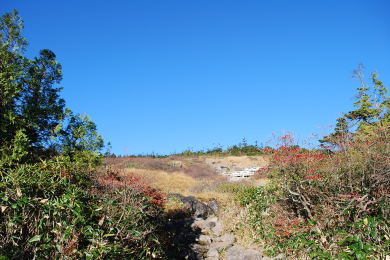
112,180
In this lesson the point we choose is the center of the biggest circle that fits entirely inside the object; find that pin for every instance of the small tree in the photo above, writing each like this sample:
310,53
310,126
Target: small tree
371,111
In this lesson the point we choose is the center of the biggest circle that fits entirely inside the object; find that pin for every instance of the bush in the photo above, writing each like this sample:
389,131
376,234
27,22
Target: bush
331,202
48,210
326,205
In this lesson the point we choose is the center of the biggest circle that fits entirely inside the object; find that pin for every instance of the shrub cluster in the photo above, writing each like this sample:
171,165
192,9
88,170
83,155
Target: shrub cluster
243,148
51,204
54,209
329,203
326,205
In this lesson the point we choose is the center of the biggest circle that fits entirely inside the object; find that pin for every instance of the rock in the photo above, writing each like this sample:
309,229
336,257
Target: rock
200,209
212,254
241,253
196,253
218,228
214,206
223,242
203,225
196,207
212,219
204,240
227,238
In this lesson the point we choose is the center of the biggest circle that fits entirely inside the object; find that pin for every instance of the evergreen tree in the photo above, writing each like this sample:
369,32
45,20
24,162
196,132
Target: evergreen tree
31,108
371,111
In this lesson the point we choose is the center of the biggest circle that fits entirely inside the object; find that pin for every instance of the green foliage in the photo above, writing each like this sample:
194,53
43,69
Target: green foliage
371,110
51,205
243,148
47,210
331,205
31,102
16,152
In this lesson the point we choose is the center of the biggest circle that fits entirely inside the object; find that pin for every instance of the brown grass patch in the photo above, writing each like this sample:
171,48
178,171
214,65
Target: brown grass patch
168,182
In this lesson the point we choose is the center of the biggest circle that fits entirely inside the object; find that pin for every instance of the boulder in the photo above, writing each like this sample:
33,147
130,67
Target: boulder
196,207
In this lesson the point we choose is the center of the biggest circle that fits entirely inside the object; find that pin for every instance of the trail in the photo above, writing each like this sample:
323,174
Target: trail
201,236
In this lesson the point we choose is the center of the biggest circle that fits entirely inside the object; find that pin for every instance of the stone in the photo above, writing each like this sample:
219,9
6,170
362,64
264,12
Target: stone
204,240
227,238
212,254
202,225
218,228
196,253
223,242
200,209
241,253
212,219
214,206
196,207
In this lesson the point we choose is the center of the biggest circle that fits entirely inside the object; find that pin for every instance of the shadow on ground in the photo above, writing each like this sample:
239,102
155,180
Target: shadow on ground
183,237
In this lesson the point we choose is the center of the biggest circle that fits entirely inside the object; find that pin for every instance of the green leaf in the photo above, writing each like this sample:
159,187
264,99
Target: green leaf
35,239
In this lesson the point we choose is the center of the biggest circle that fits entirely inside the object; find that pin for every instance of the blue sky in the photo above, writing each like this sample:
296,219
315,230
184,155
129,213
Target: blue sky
164,76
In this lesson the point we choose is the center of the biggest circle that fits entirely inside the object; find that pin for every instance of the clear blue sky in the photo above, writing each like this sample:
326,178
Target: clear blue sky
162,76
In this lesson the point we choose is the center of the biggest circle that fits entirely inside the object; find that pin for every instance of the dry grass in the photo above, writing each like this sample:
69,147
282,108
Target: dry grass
175,182
239,161
235,221
193,177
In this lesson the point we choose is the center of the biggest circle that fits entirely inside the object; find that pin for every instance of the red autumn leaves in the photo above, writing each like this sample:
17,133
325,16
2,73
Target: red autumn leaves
112,180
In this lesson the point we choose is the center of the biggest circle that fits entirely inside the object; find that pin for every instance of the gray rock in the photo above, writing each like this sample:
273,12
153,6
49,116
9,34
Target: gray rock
214,206
241,253
213,253
196,207
204,225
204,240
218,228
200,209
197,252
212,219
227,238
223,242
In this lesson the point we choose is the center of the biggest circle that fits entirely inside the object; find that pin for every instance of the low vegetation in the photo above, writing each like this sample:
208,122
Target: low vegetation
330,203
243,148
58,201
